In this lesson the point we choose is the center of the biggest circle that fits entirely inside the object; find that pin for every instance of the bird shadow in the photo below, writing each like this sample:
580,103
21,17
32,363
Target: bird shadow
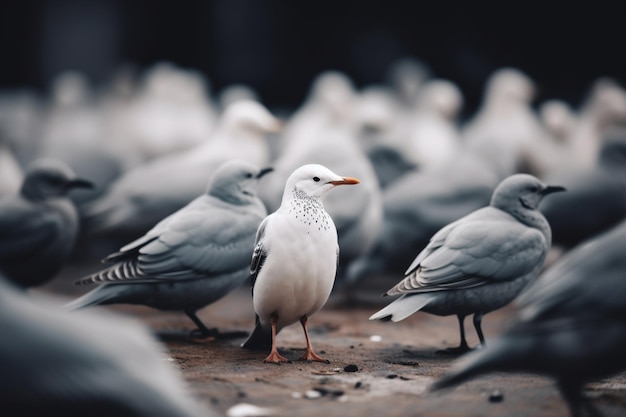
184,335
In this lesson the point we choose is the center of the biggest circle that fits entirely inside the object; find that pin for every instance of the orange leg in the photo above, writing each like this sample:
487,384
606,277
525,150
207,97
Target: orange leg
274,356
309,355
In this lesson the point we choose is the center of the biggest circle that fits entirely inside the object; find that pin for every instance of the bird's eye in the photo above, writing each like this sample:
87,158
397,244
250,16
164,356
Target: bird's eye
316,179
534,189
248,175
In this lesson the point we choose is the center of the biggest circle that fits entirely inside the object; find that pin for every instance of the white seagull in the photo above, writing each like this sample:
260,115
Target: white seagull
295,259
480,262
191,258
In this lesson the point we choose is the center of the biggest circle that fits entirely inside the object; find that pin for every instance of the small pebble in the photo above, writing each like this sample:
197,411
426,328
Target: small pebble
350,368
391,376
311,394
496,396
358,385
375,338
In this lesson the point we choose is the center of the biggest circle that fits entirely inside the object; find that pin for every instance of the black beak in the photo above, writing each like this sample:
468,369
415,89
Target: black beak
264,171
81,183
553,189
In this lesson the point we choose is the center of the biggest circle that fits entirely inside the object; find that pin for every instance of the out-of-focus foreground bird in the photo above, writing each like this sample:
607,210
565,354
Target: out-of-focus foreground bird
56,362
295,259
480,262
38,226
191,258
570,324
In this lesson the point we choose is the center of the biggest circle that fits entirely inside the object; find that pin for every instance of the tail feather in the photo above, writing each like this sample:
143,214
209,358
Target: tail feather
97,296
498,356
260,338
403,307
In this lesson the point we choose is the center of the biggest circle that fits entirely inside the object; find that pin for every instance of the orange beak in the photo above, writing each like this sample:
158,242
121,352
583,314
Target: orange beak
346,181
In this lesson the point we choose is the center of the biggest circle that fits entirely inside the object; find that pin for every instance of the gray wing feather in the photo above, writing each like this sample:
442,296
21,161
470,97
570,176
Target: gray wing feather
466,254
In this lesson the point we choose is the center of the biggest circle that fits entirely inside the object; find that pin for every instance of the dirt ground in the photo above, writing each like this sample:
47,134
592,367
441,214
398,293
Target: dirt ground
376,368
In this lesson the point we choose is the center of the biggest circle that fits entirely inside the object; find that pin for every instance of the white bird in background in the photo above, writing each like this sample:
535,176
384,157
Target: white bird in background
148,193
332,141
480,262
39,225
570,324
434,136
602,111
171,112
376,122
330,101
236,92
295,259
93,364
191,258
559,120
506,120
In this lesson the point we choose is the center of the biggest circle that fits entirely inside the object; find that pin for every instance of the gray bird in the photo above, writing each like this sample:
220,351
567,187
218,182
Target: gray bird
595,200
98,363
38,226
570,324
191,258
480,262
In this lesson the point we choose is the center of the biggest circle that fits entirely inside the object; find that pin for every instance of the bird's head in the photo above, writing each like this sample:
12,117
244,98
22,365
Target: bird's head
315,180
236,181
521,190
49,178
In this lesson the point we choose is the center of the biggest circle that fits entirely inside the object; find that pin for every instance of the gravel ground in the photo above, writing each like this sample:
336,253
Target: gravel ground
376,368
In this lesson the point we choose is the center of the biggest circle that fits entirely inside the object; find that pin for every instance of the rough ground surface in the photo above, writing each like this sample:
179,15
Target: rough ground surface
395,362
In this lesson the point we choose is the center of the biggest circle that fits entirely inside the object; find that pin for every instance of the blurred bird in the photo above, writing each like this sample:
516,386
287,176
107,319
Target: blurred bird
376,125
434,136
602,111
295,259
38,226
570,324
480,262
596,197
143,196
94,364
507,120
172,111
191,258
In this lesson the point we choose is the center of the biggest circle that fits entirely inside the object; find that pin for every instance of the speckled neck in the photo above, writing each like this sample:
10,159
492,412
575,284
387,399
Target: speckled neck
309,210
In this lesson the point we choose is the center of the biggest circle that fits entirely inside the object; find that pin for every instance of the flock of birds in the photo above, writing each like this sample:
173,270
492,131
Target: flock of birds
187,197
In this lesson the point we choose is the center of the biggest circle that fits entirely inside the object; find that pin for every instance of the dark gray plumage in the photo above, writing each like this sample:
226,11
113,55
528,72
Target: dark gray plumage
480,262
38,226
596,197
570,324
61,363
191,258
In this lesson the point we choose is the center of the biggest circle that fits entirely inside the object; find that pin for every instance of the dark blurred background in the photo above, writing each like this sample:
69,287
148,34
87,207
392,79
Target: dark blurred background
277,47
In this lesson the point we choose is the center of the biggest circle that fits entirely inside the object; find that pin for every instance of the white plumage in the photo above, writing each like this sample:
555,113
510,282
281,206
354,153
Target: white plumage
295,258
